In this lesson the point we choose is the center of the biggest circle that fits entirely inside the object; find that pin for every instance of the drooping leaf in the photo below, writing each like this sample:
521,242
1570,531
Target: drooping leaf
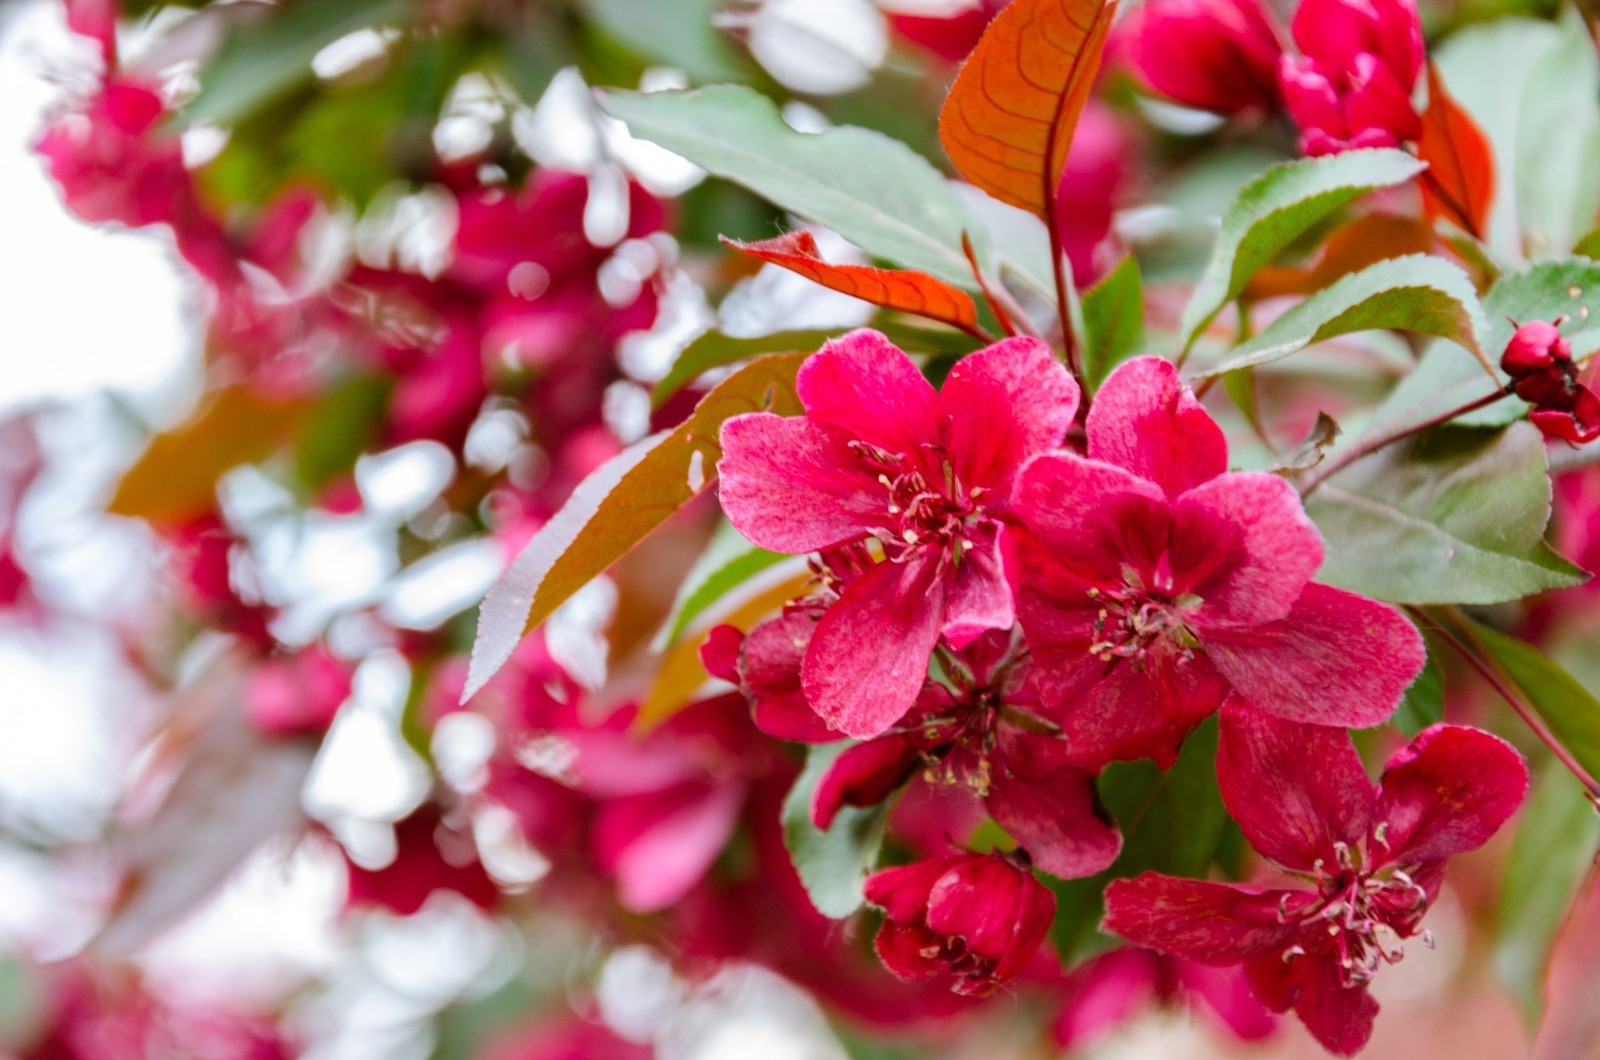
1454,515
1553,850
616,507
903,290
1113,321
1350,248
1009,118
832,864
1423,704
1313,449
261,59
1459,183
873,191
1569,710
1276,208
1171,822
175,479
1420,293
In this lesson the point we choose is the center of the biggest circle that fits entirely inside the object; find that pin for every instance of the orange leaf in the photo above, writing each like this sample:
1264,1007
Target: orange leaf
1351,248
620,503
176,478
1010,115
899,289
1459,181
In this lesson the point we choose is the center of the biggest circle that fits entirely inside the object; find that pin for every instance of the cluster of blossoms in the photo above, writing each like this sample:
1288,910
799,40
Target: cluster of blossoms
1079,604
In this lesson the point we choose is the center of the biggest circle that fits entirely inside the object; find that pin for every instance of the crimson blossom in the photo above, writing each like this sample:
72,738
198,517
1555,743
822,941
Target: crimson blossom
1155,580
881,456
1216,55
1372,860
1352,85
1539,362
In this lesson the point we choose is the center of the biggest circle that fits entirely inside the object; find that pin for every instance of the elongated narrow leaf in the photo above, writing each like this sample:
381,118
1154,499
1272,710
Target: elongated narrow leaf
832,864
716,350
614,508
1421,294
176,477
728,562
1452,516
1113,321
874,191
1553,850
1010,116
1570,710
1275,209
903,290
1459,183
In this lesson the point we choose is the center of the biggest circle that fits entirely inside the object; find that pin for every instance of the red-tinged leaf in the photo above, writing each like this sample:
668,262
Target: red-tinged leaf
175,480
234,791
1352,247
1459,182
617,506
1010,115
903,290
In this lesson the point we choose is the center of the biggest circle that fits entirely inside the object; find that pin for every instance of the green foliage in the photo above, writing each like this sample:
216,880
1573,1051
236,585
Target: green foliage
831,864
1554,849
872,190
1454,515
1417,293
1567,708
1423,704
1113,321
727,563
1275,209
681,34
1171,822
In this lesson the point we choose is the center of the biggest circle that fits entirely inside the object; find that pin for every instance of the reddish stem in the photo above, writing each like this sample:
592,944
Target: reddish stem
1367,448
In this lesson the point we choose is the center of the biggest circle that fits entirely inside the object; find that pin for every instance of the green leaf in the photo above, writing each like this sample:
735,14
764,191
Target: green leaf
1418,293
1454,515
1553,850
1113,321
873,191
1171,822
728,562
1275,209
832,864
1423,704
263,59
1567,708
681,34
716,350
338,427
614,509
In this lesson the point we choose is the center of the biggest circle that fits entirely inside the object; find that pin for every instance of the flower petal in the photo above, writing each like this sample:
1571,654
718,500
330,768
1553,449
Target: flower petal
1446,792
1337,659
791,486
1006,403
769,675
902,892
1000,911
864,386
1338,1016
659,845
979,597
869,655
1145,420
902,947
1243,544
1295,789
1213,923
863,776
1091,518
1056,821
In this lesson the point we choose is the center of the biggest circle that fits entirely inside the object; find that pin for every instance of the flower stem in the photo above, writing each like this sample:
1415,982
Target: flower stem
1472,651
1367,448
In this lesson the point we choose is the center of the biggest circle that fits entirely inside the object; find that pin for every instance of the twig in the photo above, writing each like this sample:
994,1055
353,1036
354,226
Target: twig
1367,448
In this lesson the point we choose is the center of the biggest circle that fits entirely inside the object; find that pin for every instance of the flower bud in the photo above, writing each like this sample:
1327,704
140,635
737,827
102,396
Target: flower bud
1216,55
977,917
1351,87
1536,347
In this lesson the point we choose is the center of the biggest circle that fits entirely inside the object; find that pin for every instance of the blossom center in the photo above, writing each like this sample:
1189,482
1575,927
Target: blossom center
1134,617
921,513
1365,914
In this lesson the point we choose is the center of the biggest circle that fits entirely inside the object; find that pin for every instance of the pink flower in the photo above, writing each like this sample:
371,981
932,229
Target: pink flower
976,917
297,695
1099,167
431,855
1539,362
985,734
1352,87
881,456
1155,581
950,37
1372,861
1111,989
1216,55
